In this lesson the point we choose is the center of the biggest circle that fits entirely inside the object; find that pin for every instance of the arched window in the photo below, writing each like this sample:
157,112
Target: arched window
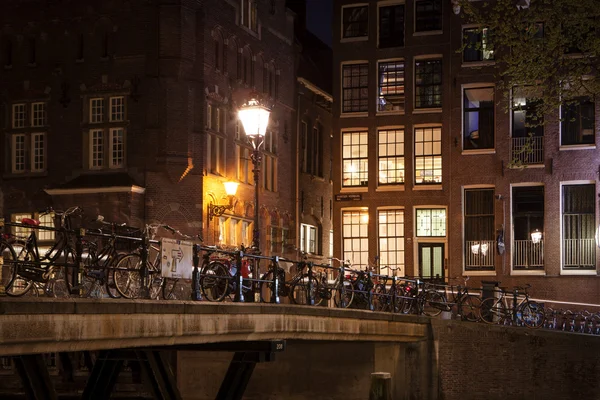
218,52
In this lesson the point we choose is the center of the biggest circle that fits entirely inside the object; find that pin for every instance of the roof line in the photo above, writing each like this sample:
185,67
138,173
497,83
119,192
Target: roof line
109,189
315,89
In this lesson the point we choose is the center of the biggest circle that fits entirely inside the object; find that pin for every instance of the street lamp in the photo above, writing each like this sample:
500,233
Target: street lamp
255,118
215,210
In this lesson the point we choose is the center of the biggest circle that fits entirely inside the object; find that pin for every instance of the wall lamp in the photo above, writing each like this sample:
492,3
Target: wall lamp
216,210
536,236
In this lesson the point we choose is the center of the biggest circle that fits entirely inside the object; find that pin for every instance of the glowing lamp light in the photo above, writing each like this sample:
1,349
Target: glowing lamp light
255,118
230,188
536,236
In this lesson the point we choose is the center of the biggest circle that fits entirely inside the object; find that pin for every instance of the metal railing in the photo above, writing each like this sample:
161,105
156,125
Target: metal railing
579,253
528,255
479,254
527,150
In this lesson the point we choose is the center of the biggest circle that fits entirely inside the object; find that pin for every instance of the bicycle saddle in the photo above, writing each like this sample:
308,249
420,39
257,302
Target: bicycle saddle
29,221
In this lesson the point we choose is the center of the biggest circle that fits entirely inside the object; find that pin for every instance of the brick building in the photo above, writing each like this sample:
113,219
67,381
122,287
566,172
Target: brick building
129,109
423,149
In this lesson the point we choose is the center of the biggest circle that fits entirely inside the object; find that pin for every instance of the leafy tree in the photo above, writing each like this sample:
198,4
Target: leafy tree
548,49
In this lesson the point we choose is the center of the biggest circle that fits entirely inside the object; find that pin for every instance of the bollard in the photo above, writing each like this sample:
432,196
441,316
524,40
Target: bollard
275,289
343,289
77,270
381,386
196,295
310,298
145,289
238,296
2,289
370,291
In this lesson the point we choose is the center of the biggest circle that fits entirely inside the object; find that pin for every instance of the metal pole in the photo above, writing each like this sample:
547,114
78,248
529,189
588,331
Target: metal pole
256,232
238,296
196,274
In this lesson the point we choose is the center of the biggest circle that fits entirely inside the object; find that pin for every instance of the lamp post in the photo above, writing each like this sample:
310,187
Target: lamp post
255,118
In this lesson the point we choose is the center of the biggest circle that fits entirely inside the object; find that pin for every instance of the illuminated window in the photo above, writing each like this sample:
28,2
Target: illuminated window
391,156
431,222
391,242
391,86
479,229
355,160
428,156
355,237
478,118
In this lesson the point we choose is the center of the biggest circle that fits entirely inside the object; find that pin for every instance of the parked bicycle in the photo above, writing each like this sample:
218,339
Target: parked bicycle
462,304
522,311
27,266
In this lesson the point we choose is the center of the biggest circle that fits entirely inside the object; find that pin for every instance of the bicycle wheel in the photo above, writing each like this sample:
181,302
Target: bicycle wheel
14,285
433,302
470,308
127,276
492,311
299,293
58,285
214,281
344,301
381,299
174,289
407,306
532,314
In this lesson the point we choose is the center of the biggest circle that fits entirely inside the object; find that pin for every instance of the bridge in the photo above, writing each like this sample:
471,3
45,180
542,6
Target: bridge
196,350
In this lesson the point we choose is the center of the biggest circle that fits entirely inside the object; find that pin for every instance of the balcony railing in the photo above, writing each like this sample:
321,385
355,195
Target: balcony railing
579,253
528,255
527,150
479,254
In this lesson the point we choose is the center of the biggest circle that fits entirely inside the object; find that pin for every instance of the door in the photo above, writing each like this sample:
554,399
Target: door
431,261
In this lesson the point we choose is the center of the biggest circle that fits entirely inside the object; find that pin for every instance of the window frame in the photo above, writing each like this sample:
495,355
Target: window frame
478,110
399,171
36,118
358,217
22,119
396,75
379,30
564,146
359,36
428,12
97,117
433,155
362,159
309,238
400,267
362,90
431,222
578,270
481,59
433,106
513,199
478,217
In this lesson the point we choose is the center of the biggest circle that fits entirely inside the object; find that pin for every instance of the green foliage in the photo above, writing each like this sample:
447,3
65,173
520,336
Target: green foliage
554,44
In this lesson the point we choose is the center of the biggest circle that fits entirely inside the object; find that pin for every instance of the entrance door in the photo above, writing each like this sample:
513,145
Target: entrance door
431,261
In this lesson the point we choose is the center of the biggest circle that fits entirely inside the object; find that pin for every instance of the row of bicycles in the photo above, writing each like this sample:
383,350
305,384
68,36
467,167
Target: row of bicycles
110,260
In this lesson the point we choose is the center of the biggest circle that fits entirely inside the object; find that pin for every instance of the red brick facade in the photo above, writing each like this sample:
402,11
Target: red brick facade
462,167
169,61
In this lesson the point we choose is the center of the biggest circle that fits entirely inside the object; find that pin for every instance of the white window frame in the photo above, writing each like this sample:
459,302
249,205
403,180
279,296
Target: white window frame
427,57
432,185
21,166
362,160
359,257
400,266
380,130
402,109
342,88
18,115
308,238
38,114
431,224
97,148
592,272
116,156
97,110
37,165
117,108
470,86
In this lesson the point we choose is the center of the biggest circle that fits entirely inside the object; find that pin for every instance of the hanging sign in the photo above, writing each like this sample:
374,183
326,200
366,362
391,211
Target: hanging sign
176,258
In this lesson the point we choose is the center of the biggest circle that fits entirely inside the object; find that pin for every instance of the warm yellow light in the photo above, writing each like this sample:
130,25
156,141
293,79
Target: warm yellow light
231,187
364,218
536,236
255,118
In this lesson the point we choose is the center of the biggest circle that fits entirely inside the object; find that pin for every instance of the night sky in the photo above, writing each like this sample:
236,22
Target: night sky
318,18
